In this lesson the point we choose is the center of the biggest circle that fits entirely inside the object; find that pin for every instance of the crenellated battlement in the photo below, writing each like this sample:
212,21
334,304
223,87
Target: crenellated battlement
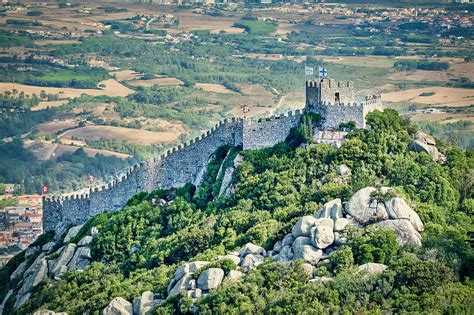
186,162
335,102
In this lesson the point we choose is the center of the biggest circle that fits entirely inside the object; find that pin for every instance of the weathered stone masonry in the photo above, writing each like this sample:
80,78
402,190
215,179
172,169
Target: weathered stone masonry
333,100
180,165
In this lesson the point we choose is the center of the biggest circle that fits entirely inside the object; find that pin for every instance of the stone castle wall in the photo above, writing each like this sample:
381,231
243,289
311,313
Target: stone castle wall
187,163
178,166
268,131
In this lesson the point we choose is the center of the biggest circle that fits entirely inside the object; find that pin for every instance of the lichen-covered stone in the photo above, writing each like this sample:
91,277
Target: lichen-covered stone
250,248
404,230
322,236
72,233
309,254
250,261
118,306
371,268
210,279
303,226
85,241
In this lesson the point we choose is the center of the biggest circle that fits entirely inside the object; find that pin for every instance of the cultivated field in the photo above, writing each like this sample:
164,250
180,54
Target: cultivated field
441,96
215,88
55,126
112,88
126,75
126,134
44,42
158,81
443,118
61,149
46,104
365,61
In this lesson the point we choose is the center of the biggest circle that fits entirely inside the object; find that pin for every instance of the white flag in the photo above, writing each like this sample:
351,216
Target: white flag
308,70
323,72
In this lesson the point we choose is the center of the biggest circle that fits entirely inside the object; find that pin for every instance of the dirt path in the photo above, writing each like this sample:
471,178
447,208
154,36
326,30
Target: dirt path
279,104
50,151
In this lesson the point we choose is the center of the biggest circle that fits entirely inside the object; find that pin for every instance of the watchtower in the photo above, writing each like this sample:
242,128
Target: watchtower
335,102
327,90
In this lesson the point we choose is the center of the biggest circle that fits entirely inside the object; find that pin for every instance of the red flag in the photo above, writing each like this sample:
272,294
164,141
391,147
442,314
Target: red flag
44,189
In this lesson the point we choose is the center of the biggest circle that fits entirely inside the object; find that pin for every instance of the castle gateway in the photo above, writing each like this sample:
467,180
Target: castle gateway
333,101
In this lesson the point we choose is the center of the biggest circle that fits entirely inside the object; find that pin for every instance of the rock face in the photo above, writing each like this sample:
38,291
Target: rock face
118,306
80,260
72,233
210,279
66,255
327,226
303,226
423,142
191,267
250,248
86,241
182,284
19,271
34,275
363,208
46,264
322,236
372,268
143,305
309,254
7,296
406,233
250,261
48,247
397,208
234,275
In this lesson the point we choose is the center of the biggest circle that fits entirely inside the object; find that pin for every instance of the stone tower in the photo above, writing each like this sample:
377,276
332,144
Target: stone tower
327,90
335,102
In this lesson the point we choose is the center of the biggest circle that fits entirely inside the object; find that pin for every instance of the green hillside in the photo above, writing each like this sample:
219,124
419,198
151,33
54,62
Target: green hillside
139,248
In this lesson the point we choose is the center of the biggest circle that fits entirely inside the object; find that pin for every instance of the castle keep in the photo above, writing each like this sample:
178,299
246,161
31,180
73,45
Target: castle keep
335,103
186,163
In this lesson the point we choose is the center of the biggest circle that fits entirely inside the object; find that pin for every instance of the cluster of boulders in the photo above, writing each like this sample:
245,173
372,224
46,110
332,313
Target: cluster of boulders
247,258
50,263
314,237
423,142
193,285
142,305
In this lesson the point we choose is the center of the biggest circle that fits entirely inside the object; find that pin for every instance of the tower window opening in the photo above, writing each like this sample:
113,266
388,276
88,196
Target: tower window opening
336,97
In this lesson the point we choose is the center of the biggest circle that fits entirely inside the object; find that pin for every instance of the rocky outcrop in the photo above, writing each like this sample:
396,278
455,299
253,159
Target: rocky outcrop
85,241
118,306
144,304
303,226
66,255
404,230
72,233
363,208
19,271
210,279
55,265
371,268
423,142
247,258
314,238
5,299
34,275
48,312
